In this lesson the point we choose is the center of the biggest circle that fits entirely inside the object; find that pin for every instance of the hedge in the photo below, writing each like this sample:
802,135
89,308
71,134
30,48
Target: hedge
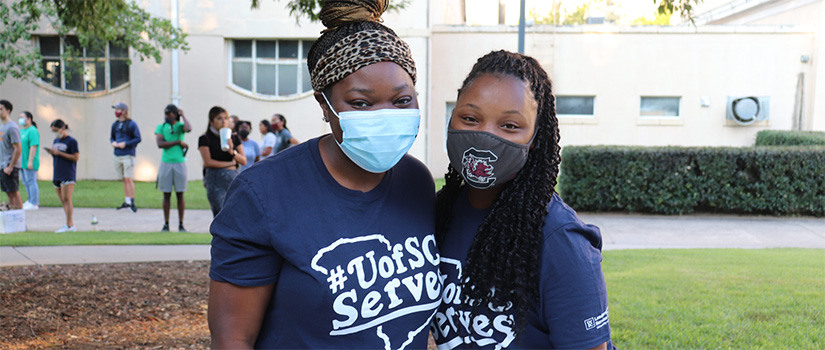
789,138
677,180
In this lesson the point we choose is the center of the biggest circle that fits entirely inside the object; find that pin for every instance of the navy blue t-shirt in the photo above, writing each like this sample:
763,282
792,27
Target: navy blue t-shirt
350,269
64,169
572,313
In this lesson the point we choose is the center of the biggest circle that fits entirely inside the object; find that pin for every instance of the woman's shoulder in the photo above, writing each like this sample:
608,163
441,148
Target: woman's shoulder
561,219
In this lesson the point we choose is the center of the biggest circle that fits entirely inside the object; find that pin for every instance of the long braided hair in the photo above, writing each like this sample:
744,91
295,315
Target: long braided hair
506,250
344,18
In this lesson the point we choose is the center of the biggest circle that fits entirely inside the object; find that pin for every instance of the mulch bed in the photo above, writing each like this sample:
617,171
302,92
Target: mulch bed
113,306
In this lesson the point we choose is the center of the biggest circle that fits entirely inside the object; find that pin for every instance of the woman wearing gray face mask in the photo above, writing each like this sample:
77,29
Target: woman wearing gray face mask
329,243
515,257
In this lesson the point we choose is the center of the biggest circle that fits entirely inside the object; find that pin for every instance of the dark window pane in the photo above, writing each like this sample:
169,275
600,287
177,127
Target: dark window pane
94,76
659,107
72,46
242,74
74,80
581,105
96,50
50,46
265,79
118,51
243,48
51,72
307,45
265,49
288,49
120,73
287,79
306,81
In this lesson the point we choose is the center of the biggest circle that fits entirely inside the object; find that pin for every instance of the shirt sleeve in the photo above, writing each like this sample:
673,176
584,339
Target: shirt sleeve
34,136
574,295
14,134
242,251
72,147
159,129
202,141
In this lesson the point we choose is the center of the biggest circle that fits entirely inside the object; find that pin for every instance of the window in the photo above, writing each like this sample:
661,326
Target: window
271,67
659,107
575,106
102,69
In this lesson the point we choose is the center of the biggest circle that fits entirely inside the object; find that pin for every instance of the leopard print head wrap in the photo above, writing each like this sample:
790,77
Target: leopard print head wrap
357,51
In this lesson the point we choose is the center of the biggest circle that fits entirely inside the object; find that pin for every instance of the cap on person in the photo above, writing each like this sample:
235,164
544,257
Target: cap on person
121,105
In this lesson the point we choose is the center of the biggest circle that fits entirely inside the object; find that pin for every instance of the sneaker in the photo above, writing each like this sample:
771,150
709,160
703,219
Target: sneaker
65,228
181,229
133,207
165,228
124,205
29,206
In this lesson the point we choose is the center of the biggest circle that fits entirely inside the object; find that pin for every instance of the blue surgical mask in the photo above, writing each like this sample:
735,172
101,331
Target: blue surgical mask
376,140
21,121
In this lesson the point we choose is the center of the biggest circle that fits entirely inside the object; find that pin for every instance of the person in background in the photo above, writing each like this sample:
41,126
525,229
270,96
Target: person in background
124,137
233,123
172,172
65,154
10,151
30,143
250,147
520,256
267,145
220,167
283,138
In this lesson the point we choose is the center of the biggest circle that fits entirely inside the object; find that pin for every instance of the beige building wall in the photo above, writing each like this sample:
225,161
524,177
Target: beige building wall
619,65
204,81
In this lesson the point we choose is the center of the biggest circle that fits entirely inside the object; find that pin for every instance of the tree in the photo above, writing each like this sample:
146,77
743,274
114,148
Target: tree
95,23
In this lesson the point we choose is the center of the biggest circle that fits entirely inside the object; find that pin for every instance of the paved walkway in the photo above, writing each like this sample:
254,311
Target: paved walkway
620,231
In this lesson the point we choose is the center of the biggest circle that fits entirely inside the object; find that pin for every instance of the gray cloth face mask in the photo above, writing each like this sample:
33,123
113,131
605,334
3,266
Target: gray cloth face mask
483,159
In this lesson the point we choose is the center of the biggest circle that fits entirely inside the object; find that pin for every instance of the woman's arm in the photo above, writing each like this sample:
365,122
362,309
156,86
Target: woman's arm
240,156
236,313
72,157
211,163
293,141
29,164
266,151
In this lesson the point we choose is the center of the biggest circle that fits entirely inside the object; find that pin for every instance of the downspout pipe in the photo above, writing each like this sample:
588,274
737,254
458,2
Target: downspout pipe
175,72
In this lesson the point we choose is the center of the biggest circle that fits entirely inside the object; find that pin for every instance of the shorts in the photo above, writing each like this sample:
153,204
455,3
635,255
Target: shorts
172,175
125,166
11,182
60,183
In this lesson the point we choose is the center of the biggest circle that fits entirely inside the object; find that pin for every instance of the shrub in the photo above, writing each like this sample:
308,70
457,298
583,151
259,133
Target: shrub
789,138
677,180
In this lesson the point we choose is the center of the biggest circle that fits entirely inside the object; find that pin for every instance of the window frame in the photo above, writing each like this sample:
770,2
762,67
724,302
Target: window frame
660,119
303,48
564,115
83,59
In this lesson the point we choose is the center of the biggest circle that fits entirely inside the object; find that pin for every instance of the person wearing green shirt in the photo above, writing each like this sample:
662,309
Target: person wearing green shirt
172,171
30,142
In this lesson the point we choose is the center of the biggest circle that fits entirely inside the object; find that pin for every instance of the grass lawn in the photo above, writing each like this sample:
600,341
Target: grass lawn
29,239
109,194
716,298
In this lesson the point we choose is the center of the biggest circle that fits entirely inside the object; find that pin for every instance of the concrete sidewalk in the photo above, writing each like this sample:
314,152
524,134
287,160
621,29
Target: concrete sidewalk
620,231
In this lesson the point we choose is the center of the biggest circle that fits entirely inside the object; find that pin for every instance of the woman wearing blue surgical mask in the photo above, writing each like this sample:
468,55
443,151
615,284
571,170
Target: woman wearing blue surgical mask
516,262
331,243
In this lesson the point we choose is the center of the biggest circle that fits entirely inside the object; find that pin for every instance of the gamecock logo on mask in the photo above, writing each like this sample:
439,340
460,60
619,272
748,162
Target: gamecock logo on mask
478,167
